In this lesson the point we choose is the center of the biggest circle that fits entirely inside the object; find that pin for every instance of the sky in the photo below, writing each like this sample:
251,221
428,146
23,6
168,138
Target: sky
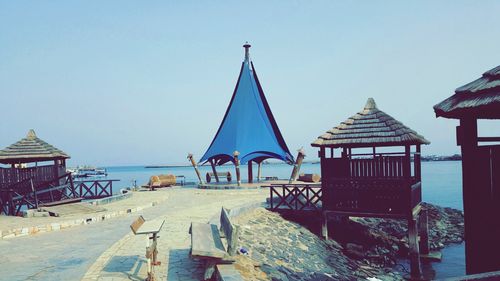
147,82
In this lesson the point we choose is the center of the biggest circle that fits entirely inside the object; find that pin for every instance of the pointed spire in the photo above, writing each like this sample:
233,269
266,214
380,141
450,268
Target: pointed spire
370,104
247,51
31,134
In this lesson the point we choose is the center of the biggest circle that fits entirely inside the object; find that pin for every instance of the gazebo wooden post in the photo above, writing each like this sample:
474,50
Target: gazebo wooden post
296,167
418,163
212,163
195,166
237,166
415,268
250,172
259,171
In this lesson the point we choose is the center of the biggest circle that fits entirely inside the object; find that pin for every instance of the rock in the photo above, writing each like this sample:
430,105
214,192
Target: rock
354,250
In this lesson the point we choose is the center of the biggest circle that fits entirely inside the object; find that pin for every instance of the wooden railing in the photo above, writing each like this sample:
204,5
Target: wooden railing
31,193
300,197
91,189
378,167
9,176
376,196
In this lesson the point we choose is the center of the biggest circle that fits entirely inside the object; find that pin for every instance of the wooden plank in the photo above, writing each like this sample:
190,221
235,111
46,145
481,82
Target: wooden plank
137,224
150,227
227,272
206,241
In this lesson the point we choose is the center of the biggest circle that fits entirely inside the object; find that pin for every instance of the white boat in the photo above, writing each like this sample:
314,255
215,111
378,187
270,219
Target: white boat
87,172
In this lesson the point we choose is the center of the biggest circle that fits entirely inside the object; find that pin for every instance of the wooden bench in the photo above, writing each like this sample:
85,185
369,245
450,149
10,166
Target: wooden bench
219,175
207,245
151,229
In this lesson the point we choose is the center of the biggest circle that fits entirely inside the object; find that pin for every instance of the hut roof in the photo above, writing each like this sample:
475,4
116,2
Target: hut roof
480,98
30,149
370,127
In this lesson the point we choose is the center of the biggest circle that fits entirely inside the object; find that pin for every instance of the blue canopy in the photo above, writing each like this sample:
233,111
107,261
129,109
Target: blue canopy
248,125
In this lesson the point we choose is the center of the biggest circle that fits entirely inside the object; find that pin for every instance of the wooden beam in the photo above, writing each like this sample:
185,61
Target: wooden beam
195,166
212,163
296,167
250,172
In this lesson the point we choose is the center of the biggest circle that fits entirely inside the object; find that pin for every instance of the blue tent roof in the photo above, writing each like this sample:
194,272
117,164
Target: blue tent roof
248,125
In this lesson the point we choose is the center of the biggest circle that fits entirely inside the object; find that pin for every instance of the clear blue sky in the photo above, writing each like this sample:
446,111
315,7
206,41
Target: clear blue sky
146,82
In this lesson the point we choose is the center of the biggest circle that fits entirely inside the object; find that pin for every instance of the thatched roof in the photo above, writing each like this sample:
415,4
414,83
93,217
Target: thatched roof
30,149
479,99
370,127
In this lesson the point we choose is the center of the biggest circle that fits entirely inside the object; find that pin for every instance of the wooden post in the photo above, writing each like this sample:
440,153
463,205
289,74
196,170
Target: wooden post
250,172
35,196
259,170
296,167
324,226
212,163
237,166
195,166
418,164
407,162
423,230
415,269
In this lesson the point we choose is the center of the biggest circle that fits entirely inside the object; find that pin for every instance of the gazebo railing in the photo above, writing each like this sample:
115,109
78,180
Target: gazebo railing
377,196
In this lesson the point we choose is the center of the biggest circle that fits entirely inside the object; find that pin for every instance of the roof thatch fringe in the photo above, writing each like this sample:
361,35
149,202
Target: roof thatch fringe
370,127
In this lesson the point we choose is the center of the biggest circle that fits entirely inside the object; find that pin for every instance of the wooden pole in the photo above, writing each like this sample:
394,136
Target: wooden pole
250,172
418,164
296,167
415,269
212,163
195,166
259,170
324,226
423,229
237,165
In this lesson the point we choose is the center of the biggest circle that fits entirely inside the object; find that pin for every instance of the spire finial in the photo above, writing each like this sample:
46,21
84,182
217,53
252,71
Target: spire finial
370,104
247,52
31,134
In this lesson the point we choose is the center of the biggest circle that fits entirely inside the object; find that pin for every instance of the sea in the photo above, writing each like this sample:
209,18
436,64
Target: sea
441,185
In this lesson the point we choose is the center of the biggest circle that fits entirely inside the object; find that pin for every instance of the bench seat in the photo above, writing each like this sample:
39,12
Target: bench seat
206,241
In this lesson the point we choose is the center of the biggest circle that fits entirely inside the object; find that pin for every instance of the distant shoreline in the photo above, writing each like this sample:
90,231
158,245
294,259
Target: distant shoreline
431,158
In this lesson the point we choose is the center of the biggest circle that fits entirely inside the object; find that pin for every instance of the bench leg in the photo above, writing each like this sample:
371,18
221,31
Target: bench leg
209,269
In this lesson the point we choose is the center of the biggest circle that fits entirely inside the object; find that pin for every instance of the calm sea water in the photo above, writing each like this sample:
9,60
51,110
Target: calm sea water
441,185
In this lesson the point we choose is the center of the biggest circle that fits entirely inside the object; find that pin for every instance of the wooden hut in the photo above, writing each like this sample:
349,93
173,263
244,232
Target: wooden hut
31,149
372,183
479,99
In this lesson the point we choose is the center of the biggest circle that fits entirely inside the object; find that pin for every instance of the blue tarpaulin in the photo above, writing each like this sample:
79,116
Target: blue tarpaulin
248,125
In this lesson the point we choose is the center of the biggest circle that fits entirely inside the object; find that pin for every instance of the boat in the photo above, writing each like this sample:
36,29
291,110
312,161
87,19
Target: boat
87,172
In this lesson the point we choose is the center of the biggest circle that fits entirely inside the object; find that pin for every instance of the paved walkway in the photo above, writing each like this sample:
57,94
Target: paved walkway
108,251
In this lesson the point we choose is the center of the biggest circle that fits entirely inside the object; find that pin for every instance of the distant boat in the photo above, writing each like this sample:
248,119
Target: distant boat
87,172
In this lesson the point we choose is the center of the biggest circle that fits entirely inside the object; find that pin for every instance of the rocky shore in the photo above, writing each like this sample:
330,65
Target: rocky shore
288,247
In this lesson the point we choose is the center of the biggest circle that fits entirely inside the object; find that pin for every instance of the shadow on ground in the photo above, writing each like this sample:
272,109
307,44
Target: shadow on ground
181,267
127,265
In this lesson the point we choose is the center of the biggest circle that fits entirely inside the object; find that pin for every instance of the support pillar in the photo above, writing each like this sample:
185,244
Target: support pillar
296,167
415,268
212,163
324,226
423,230
237,166
259,170
195,166
250,172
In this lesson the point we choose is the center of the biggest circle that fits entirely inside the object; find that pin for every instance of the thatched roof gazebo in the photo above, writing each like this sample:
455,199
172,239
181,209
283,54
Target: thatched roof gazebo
31,149
479,99
373,183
